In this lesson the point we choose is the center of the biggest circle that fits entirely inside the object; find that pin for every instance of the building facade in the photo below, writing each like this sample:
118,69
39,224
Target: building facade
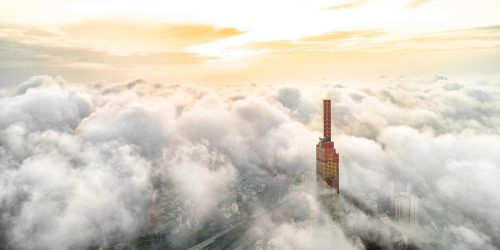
405,208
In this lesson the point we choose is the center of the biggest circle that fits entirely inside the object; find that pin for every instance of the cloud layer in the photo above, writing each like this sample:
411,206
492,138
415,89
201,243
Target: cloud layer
112,162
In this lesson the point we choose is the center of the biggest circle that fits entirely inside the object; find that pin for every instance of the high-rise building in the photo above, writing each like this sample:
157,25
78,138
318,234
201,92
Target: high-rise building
327,159
405,207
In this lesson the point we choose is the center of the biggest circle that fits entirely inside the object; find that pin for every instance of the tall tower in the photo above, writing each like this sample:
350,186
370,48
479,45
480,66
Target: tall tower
327,159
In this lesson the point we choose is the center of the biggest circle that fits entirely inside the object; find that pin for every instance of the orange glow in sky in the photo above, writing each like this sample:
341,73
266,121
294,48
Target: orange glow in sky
227,41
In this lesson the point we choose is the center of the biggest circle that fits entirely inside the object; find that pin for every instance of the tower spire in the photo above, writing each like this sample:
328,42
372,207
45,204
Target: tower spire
327,122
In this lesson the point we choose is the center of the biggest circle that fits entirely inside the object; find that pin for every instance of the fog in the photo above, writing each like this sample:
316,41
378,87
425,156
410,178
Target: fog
86,164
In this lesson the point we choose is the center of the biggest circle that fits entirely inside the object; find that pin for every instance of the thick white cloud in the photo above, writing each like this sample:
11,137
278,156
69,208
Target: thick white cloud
112,162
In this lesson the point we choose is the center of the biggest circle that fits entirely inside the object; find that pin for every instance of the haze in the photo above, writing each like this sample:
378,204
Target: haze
246,41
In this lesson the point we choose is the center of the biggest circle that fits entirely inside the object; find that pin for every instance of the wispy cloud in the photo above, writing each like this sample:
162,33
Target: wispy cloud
165,47
134,35
120,37
416,3
344,35
13,52
322,42
378,40
348,5
104,45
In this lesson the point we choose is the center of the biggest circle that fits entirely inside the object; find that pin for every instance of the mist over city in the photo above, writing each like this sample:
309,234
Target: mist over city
114,163
249,125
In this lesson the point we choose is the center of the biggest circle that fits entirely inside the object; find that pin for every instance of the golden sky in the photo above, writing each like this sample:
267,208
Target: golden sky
228,41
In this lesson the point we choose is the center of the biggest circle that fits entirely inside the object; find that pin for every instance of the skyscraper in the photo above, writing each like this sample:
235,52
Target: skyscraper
404,205
327,159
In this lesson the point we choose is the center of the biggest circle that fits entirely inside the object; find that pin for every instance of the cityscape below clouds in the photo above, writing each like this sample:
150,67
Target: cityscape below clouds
145,165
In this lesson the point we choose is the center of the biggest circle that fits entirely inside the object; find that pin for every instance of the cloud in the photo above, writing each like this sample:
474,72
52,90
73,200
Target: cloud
120,37
483,37
141,38
343,35
19,54
348,5
379,40
416,3
90,48
19,59
330,41
117,161
291,98
159,48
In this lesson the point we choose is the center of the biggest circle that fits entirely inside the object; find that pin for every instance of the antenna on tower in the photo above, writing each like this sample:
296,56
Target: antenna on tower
327,122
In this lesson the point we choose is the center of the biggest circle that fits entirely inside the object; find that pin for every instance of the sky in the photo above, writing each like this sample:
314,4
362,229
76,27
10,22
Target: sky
246,41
